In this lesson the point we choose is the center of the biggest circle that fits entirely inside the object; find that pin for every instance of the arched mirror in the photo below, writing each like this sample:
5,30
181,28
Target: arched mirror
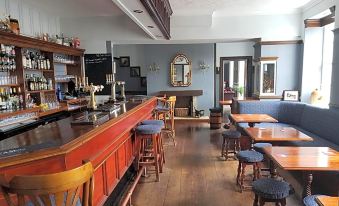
181,72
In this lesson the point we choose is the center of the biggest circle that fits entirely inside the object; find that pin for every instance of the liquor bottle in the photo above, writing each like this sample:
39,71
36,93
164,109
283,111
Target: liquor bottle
48,64
28,61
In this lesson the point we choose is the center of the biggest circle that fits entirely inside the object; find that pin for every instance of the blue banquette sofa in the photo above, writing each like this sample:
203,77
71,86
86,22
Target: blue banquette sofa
319,123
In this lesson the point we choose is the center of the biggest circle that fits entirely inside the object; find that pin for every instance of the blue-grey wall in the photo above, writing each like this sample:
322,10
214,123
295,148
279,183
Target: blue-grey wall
289,65
162,55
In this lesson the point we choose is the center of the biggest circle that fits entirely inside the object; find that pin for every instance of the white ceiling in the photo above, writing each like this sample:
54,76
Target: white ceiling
77,8
235,7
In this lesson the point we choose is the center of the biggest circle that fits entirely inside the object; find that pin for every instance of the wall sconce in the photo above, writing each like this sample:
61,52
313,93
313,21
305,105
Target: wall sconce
204,66
154,67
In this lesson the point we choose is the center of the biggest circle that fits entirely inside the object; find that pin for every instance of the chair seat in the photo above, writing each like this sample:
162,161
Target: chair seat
216,110
250,156
232,134
29,203
153,122
259,147
148,129
162,109
271,189
310,200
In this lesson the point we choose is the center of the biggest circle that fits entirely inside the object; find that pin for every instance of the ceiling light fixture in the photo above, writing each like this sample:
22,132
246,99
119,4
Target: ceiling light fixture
138,11
150,27
159,36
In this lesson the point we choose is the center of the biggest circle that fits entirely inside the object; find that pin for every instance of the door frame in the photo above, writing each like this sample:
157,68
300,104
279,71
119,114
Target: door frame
248,73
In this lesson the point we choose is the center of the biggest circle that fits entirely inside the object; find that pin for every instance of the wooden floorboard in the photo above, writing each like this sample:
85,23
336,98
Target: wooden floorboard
194,173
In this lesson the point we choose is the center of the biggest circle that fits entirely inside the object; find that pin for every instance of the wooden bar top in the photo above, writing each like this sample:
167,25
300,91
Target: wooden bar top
57,137
327,201
252,118
304,158
276,134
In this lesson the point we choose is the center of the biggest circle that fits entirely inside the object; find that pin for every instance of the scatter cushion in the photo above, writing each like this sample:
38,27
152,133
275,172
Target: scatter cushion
216,110
271,189
250,156
232,134
148,129
153,122
259,147
310,200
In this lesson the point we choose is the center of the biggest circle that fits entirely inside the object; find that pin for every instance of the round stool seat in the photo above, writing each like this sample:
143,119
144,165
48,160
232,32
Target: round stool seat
231,134
216,110
148,129
153,122
271,189
162,109
250,156
310,200
259,147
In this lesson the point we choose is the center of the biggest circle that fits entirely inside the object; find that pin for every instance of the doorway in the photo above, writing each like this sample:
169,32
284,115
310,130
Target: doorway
235,77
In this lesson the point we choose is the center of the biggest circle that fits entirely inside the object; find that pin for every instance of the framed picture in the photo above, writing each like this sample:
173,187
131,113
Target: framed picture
143,82
134,72
290,95
124,61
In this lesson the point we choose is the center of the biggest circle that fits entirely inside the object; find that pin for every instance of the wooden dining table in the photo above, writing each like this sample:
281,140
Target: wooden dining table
276,134
305,159
327,201
252,119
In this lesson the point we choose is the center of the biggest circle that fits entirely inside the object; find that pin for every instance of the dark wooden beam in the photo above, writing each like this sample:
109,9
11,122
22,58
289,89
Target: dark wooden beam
160,11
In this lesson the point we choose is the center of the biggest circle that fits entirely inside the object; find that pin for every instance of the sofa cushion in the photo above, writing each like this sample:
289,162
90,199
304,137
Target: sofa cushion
259,107
318,141
321,122
291,112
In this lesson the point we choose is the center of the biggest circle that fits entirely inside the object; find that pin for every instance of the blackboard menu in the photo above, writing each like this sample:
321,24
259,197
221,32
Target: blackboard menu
96,68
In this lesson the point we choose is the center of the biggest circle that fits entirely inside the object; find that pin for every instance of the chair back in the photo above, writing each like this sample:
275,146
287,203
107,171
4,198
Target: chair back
58,189
171,101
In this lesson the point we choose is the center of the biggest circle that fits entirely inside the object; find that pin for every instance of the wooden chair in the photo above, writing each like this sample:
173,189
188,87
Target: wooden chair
169,129
61,188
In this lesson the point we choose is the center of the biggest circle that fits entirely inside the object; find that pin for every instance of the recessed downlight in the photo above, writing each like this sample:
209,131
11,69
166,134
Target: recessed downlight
150,26
138,11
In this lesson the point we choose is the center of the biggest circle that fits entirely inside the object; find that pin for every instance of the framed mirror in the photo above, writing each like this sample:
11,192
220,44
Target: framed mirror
181,71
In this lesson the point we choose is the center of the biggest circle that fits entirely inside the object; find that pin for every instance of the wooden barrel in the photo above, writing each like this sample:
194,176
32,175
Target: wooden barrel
215,118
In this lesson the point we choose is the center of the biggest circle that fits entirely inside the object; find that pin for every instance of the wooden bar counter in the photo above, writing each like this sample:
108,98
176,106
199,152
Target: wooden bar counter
60,146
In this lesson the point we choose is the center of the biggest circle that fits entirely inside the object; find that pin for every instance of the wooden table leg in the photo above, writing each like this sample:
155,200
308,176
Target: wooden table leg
308,178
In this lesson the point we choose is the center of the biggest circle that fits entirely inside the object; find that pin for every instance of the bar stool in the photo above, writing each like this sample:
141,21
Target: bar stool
270,190
259,147
161,145
165,112
248,157
149,136
228,137
310,200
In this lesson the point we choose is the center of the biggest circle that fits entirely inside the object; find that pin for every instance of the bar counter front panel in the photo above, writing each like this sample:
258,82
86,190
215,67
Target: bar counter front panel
60,146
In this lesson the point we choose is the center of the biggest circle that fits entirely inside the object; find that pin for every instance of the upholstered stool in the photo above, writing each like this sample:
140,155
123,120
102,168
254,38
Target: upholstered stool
310,200
162,125
248,157
228,137
153,122
161,113
259,147
270,190
147,157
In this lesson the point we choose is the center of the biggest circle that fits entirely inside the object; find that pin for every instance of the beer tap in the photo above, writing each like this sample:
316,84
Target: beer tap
110,80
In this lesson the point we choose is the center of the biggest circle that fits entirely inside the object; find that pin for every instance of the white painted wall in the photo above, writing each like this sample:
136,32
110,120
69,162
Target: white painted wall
32,21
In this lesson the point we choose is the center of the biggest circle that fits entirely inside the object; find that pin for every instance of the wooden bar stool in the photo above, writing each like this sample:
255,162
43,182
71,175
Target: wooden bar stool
161,145
248,157
165,112
59,189
259,147
310,200
148,136
270,190
230,136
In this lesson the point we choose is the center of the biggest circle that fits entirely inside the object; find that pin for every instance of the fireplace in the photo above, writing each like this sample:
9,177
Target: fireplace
186,101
